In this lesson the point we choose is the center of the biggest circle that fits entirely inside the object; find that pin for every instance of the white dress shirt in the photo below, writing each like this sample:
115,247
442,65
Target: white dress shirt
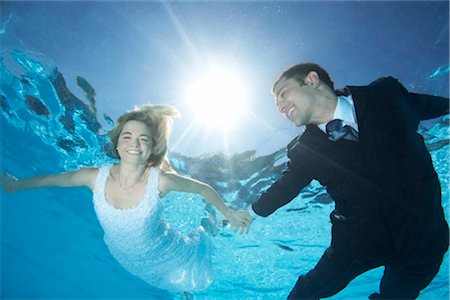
345,111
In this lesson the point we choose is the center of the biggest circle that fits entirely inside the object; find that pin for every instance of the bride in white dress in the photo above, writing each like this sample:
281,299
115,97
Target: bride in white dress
127,201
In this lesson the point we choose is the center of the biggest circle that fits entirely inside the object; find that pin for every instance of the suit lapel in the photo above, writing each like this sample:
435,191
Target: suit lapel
360,98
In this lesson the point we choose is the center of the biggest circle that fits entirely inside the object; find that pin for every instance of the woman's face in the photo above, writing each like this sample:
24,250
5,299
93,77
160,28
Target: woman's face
135,142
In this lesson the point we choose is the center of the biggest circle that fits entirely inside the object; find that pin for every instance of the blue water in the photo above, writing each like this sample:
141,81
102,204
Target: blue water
51,242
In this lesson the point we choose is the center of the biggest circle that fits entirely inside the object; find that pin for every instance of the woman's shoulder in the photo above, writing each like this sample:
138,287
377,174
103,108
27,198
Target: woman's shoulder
86,171
92,171
165,173
166,181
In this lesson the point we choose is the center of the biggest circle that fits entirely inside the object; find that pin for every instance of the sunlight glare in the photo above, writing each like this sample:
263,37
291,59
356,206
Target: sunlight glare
217,98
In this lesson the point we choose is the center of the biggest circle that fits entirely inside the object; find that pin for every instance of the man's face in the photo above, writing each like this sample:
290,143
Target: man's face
294,100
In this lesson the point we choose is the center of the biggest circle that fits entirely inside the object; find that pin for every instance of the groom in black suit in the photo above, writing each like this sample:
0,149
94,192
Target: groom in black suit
361,144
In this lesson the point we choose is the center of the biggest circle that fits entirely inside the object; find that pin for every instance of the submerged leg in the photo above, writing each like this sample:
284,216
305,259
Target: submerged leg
331,274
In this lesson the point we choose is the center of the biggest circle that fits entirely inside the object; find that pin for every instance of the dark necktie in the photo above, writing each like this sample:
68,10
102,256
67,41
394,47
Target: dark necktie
337,131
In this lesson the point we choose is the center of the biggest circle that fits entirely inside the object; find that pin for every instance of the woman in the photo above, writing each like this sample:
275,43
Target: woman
127,203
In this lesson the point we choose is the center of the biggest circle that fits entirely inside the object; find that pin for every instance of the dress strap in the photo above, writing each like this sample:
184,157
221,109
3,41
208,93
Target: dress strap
153,183
102,176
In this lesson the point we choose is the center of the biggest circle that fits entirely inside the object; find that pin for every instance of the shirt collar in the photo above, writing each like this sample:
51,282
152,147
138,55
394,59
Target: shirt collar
345,111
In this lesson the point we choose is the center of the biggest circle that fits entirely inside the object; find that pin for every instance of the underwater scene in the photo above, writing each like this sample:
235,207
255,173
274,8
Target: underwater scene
52,243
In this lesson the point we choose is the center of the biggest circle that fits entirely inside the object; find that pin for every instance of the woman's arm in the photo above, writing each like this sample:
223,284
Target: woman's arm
82,177
173,182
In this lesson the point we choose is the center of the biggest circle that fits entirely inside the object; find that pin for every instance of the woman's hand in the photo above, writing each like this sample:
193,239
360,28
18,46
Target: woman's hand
9,183
239,220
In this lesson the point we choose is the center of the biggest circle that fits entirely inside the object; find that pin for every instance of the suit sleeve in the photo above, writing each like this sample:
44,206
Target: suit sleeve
422,106
427,106
283,191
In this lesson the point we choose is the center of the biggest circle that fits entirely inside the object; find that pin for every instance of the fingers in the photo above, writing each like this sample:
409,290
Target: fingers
244,229
240,221
237,229
240,227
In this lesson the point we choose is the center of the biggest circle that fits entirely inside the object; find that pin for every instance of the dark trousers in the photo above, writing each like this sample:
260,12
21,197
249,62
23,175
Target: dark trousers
336,269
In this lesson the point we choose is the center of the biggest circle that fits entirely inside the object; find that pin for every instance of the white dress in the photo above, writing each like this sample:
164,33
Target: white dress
150,248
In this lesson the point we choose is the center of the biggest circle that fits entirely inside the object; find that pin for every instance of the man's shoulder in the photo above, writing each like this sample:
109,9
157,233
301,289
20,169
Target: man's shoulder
305,140
380,87
382,82
292,144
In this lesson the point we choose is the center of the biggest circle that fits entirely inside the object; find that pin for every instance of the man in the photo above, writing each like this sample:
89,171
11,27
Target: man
378,171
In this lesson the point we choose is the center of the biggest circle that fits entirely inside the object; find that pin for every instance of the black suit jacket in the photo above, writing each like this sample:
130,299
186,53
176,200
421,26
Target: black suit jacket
386,192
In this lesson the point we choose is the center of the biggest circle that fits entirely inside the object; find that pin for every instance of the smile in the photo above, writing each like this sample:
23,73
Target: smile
134,152
289,112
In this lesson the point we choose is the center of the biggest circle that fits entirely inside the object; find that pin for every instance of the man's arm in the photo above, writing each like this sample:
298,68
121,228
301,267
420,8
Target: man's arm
281,192
423,106
428,106
292,181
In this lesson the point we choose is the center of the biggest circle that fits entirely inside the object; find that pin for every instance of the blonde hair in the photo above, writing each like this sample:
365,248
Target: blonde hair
159,119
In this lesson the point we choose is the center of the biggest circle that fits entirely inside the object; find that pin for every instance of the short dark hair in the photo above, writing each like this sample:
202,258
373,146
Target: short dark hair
301,70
